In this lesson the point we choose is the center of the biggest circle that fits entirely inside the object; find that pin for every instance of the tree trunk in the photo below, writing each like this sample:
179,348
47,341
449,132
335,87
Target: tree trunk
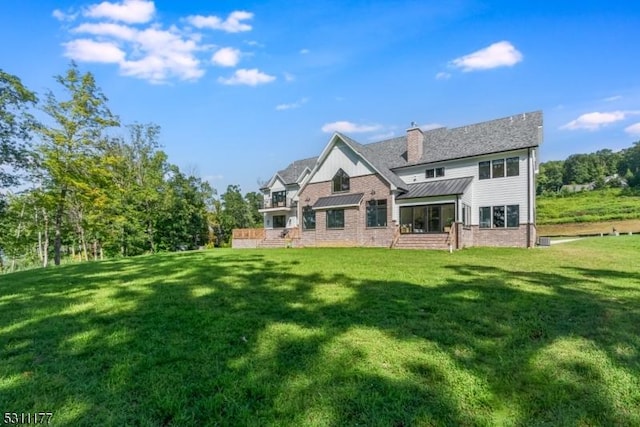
57,242
45,247
95,250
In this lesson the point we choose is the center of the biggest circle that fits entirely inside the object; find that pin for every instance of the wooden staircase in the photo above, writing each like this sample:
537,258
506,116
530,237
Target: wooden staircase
423,241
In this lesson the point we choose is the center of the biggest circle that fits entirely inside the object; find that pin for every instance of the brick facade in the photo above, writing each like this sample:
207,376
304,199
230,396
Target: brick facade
355,231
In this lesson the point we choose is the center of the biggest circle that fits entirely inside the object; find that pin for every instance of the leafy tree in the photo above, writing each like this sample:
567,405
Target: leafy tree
550,177
70,143
15,126
254,203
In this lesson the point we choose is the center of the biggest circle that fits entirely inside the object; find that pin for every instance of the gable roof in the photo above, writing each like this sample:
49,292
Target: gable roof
494,136
292,173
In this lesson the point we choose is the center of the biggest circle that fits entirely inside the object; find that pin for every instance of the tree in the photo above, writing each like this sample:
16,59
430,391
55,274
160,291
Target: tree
550,177
15,126
72,140
254,203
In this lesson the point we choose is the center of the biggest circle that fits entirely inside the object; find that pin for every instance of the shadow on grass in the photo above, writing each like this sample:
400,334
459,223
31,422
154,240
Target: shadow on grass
238,338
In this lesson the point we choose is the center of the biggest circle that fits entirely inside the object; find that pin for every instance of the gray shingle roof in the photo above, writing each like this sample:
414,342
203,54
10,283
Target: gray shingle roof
445,187
342,200
494,136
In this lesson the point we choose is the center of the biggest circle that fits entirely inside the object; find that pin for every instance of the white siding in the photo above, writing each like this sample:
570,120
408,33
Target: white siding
510,190
341,157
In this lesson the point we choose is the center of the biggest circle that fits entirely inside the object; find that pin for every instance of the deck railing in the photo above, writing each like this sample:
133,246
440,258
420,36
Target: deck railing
249,233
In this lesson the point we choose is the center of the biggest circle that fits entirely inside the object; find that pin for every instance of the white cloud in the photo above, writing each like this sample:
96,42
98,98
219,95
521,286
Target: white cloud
252,77
633,129
129,11
596,120
443,76
118,31
92,51
289,77
63,16
226,57
154,54
613,98
232,24
349,127
293,105
304,51
501,54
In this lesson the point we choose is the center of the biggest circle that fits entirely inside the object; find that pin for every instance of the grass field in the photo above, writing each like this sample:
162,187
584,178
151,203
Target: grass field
589,206
330,337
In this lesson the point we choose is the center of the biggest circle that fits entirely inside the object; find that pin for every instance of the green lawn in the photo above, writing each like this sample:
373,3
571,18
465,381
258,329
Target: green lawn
588,206
330,337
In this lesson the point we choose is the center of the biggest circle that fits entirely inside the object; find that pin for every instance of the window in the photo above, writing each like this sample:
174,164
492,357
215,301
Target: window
485,217
278,199
279,221
513,166
308,218
513,216
484,170
466,215
499,216
498,168
377,213
340,181
335,218
433,173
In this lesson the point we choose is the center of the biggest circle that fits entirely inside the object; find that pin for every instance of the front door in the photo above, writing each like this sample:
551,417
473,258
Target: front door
434,223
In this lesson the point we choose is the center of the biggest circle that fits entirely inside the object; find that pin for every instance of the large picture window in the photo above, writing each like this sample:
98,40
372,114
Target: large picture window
377,213
499,168
308,218
335,218
500,216
279,221
340,181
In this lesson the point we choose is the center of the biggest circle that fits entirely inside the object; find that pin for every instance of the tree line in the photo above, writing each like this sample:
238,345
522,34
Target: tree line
604,168
86,194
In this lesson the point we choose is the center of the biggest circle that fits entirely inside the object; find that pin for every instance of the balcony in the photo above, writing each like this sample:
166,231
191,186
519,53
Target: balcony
271,205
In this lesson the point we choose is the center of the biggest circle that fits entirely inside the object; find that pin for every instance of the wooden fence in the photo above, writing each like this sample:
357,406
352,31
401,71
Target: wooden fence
249,233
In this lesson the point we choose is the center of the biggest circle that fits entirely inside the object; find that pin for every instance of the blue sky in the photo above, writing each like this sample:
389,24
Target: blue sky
240,89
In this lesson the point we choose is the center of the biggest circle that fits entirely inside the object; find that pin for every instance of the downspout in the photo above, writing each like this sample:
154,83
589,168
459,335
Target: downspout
457,221
529,197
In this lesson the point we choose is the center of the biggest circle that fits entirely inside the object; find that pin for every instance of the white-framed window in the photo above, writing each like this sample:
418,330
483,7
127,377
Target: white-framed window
500,216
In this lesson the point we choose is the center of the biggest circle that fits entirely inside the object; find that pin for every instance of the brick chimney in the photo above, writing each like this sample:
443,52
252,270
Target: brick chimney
415,143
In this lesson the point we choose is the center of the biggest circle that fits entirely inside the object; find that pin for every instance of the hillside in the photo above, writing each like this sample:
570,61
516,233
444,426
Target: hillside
588,206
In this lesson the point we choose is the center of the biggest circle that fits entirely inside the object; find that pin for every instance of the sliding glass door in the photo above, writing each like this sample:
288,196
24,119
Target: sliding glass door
426,218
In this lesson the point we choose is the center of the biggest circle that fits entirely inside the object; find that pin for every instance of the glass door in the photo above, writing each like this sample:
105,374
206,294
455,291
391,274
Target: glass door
435,225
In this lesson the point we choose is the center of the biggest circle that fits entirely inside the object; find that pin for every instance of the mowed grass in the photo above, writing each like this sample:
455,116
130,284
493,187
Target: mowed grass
330,337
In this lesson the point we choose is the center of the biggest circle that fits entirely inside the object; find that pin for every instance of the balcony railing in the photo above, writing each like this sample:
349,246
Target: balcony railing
268,203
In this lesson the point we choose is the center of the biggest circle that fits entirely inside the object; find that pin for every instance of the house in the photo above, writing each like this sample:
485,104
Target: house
443,188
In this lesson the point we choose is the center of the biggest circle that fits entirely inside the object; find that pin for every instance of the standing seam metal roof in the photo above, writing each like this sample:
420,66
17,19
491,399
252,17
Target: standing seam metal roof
342,200
444,187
